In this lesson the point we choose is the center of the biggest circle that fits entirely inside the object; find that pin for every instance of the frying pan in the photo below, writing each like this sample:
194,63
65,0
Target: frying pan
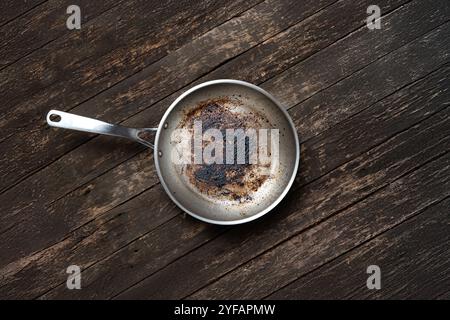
192,187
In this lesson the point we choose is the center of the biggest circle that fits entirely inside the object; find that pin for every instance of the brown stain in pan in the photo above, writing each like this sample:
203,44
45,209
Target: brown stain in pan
231,181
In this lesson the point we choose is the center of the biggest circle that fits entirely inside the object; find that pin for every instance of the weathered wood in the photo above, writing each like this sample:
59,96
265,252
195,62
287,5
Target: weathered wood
102,204
304,39
100,216
64,139
443,296
377,213
353,55
121,37
78,207
267,232
100,191
148,86
100,238
12,9
114,61
41,25
306,48
48,175
414,259
41,178
69,140
396,112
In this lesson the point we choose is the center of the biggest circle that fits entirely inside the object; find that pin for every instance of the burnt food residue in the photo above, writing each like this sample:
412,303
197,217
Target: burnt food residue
232,181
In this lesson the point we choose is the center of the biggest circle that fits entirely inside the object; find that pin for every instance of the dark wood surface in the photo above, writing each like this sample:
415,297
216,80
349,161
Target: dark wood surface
370,106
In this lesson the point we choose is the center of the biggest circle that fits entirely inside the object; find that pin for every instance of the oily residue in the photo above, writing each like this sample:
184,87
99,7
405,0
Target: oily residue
231,181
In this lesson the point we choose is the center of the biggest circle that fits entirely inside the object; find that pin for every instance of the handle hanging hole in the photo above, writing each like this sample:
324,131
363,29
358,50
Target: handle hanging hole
55,118
147,135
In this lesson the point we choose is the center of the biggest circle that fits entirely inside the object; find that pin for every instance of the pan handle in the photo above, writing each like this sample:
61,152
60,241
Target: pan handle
60,119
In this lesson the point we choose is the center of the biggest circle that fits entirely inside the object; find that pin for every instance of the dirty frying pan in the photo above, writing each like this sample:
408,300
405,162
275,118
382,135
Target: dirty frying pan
216,193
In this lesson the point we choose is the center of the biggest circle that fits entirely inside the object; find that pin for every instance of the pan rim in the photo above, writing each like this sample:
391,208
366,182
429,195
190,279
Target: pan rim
276,201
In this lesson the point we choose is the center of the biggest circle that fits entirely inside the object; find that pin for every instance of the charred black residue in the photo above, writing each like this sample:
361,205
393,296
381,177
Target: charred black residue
214,174
233,181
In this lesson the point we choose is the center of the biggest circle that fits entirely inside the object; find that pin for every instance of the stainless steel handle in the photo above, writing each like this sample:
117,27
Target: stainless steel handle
71,121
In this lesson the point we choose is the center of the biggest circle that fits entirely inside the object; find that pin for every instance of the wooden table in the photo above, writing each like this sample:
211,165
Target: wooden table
370,106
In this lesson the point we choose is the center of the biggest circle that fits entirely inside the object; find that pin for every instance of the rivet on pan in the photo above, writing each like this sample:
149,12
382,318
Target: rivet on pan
160,153
166,125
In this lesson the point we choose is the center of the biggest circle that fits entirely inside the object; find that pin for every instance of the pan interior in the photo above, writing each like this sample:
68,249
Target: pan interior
225,193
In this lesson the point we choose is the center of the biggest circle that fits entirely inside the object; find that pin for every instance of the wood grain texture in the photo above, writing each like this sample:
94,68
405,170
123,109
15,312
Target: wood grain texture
42,25
120,50
12,9
49,173
45,191
414,258
443,296
237,235
312,198
371,108
385,209
318,201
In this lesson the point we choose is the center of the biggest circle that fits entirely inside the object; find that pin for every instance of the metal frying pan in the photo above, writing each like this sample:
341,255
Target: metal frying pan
218,194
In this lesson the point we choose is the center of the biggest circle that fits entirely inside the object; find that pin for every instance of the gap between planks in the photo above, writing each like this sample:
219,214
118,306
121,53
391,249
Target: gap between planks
332,260
64,34
22,13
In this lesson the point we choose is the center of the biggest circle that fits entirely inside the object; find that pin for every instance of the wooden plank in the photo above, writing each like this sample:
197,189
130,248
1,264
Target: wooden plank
31,147
306,49
7,218
239,243
78,207
46,178
12,9
102,199
444,296
143,120
112,39
101,237
414,259
41,25
353,54
365,127
125,48
381,211
304,39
